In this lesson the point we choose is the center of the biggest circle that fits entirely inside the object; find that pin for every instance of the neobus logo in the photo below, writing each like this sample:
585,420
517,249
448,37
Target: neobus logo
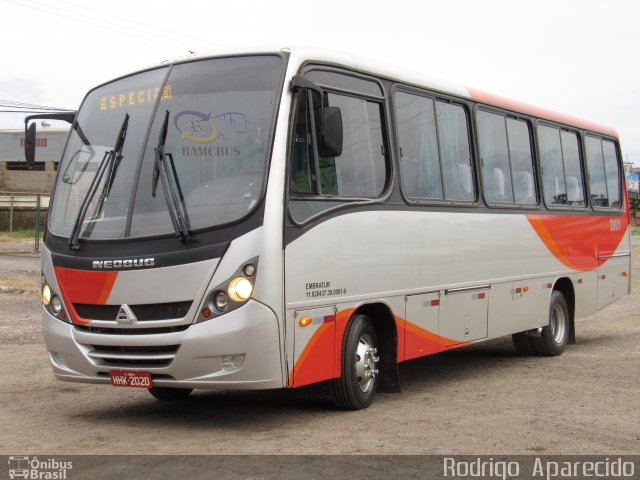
132,263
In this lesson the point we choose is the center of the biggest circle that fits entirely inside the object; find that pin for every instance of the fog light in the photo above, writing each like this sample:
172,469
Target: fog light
240,289
232,362
221,301
56,304
46,294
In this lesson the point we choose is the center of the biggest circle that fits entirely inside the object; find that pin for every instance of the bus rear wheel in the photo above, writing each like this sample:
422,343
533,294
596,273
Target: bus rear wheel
164,393
554,337
356,387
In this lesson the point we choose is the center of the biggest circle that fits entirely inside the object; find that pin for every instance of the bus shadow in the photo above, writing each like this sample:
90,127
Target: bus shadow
212,409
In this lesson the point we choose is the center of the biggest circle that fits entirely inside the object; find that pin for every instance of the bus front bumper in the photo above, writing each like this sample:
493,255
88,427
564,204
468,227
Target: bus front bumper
236,351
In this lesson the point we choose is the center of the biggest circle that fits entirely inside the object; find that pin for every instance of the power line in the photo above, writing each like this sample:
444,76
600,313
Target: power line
121,31
146,25
29,106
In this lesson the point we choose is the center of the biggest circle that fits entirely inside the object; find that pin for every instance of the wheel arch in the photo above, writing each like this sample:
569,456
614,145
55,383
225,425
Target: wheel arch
565,286
385,326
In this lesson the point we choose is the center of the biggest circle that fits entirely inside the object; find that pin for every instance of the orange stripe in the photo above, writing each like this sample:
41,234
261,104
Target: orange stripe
307,350
108,286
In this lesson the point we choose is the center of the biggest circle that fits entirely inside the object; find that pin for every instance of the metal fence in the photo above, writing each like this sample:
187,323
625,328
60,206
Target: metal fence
22,219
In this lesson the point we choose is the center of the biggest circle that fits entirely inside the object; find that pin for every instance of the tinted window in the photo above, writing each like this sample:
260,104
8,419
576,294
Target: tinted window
611,170
572,168
506,159
562,178
420,162
344,82
435,160
453,136
361,169
604,172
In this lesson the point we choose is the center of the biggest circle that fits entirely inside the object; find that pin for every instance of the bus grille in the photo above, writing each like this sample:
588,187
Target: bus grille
131,331
129,357
145,312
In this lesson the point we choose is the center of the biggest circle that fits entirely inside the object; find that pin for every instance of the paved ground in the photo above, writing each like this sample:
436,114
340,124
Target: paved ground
480,400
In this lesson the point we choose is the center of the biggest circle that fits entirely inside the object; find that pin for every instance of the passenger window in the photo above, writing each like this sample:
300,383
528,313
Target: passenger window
572,168
604,172
420,162
360,171
435,159
453,138
561,167
524,185
612,173
506,159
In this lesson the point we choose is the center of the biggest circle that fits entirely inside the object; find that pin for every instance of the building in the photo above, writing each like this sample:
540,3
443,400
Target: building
14,175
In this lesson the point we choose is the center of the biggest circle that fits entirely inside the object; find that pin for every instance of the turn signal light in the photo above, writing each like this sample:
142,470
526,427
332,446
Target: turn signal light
305,321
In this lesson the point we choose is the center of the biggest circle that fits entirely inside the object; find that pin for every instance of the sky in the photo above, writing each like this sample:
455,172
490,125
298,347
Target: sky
576,57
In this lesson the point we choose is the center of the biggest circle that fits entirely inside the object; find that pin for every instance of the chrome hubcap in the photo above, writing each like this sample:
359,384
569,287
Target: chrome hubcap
558,324
366,363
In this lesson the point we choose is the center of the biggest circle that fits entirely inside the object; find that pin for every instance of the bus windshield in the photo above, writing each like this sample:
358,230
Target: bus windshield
218,115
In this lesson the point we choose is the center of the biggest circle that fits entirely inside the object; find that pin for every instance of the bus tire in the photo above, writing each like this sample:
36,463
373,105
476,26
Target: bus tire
522,342
555,336
356,386
168,394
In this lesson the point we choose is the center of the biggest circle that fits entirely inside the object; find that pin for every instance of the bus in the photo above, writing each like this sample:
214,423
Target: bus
265,219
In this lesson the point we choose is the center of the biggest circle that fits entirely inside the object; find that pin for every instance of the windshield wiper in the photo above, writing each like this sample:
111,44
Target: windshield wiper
170,186
111,162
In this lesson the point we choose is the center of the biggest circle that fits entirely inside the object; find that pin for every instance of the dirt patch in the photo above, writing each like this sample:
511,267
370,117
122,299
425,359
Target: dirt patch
483,399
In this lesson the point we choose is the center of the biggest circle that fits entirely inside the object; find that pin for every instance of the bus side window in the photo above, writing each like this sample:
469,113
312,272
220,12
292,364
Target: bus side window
494,153
435,158
604,172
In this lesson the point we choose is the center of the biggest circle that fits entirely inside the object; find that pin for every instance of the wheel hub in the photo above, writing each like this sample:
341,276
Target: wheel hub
367,360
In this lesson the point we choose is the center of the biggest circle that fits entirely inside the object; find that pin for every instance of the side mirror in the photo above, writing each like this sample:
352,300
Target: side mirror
330,129
330,141
30,145
30,132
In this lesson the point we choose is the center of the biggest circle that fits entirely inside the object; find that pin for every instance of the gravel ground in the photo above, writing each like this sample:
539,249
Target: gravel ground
480,400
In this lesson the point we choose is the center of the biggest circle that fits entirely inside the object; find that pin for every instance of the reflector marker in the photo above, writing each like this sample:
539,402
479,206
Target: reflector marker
579,280
329,318
435,303
603,277
479,296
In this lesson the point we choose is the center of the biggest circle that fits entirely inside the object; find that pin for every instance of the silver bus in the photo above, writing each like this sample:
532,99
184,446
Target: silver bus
272,219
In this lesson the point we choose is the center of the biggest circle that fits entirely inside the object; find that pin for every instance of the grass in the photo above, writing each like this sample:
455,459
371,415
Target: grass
635,231
17,235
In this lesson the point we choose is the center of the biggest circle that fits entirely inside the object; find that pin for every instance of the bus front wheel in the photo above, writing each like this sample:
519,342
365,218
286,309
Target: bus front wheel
356,387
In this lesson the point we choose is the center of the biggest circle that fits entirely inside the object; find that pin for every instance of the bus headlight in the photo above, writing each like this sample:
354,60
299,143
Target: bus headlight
240,289
231,294
52,302
46,294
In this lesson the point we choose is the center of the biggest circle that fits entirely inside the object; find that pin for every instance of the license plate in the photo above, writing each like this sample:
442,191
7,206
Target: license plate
127,378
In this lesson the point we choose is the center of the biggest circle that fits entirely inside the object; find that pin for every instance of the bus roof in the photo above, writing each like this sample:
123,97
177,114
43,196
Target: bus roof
301,55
